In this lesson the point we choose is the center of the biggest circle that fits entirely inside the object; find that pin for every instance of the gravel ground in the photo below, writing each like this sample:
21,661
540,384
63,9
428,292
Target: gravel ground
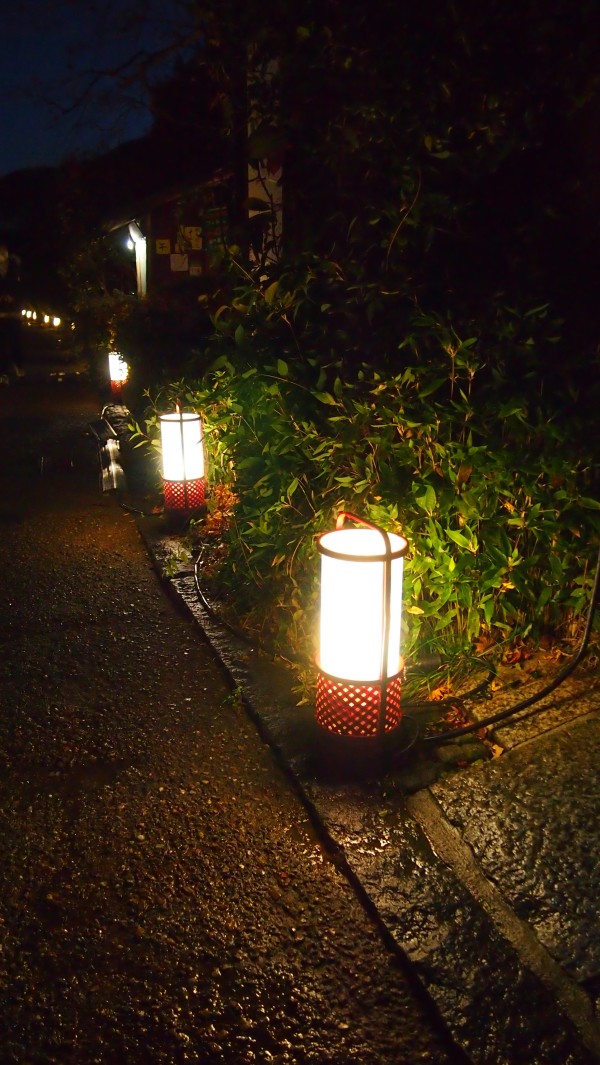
163,895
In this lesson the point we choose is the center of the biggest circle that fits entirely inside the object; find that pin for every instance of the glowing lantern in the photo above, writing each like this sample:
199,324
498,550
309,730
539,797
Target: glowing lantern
183,461
118,370
360,667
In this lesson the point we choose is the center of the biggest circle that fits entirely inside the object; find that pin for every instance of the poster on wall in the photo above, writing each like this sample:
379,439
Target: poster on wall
189,238
179,263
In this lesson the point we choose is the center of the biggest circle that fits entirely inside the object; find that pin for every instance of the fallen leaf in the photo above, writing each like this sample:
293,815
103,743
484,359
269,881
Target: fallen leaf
494,748
557,653
441,692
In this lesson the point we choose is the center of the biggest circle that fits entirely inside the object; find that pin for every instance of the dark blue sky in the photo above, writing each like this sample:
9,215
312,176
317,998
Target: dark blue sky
48,53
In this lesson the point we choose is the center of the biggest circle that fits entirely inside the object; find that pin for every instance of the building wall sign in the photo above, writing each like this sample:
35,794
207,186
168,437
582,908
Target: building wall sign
186,237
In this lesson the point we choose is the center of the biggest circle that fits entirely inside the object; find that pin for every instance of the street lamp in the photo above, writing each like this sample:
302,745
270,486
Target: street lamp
118,371
360,667
183,461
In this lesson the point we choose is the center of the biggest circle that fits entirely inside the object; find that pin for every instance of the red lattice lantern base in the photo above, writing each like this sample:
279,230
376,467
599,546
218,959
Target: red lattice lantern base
354,709
116,388
184,495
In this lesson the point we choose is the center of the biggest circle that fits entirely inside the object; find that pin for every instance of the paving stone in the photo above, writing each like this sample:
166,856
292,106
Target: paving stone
531,819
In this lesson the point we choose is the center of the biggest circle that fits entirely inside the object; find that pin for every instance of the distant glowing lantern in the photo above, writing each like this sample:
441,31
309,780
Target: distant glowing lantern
118,370
360,667
183,461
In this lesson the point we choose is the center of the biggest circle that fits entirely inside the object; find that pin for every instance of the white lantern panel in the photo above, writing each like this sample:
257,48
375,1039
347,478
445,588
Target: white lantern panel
352,605
182,450
117,367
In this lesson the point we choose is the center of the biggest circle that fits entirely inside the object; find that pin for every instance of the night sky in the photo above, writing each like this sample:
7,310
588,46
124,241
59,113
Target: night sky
48,54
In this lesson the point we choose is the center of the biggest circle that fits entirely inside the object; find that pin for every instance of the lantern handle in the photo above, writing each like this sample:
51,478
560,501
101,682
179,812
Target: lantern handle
343,514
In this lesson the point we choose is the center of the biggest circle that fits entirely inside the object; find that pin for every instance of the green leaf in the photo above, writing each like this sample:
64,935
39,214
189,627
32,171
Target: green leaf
426,390
428,500
326,397
271,292
282,368
222,363
544,597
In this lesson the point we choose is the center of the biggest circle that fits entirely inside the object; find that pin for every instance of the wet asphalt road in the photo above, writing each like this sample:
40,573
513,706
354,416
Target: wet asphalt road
163,895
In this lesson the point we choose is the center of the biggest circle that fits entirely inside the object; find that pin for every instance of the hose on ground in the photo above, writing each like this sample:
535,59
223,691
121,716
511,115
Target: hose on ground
523,704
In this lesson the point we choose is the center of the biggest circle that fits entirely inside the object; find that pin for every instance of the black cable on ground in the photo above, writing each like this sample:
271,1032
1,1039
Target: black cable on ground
142,513
233,629
523,704
212,613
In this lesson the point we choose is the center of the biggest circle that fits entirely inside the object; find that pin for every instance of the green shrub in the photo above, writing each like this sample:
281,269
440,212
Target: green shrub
492,487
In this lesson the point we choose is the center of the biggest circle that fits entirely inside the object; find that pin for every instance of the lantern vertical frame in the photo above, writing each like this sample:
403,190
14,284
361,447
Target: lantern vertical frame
366,709
183,495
